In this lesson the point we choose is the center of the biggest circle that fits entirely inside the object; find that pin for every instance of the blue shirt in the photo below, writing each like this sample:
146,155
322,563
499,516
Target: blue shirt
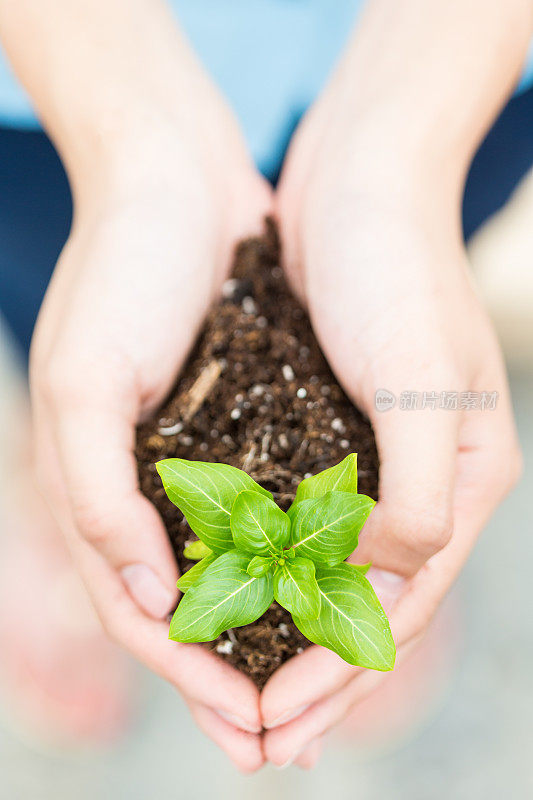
269,57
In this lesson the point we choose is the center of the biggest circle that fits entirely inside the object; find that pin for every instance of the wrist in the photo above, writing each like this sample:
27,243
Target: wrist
431,96
389,143
383,167
111,158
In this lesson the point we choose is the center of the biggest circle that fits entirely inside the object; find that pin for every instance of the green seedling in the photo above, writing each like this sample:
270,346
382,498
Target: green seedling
251,553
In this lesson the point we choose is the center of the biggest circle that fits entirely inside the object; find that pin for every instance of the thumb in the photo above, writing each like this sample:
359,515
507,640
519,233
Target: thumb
413,517
95,445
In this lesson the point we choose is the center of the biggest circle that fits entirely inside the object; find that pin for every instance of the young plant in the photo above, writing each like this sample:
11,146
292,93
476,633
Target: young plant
250,553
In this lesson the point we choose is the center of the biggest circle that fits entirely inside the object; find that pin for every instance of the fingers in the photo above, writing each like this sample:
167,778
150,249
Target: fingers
284,744
300,682
485,445
196,672
296,736
480,487
489,460
244,749
413,518
95,448
317,672
409,619
417,446
309,758
105,536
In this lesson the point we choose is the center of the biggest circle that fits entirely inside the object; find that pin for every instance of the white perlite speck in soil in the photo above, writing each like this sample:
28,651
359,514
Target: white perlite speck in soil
287,372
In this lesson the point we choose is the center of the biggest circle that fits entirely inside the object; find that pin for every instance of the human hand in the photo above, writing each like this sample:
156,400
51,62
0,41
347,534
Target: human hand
162,187
373,246
152,241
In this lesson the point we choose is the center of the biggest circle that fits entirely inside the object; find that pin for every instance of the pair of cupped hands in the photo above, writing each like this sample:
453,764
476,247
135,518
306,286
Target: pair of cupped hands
372,245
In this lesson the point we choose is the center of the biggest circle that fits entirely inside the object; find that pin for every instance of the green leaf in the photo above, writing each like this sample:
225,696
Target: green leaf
258,525
191,576
326,530
363,568
205,494
259,565
196,550
298,507
341,478
224,597
351,622
296,589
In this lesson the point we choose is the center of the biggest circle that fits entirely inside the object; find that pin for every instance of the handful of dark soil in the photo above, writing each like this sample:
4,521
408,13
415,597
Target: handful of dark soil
258,394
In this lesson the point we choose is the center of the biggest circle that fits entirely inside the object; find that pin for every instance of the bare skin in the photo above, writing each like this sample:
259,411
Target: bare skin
163,188
161,196
373,241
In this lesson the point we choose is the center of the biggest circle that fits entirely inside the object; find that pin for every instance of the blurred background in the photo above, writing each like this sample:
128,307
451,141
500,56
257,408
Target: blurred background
472,734
473,740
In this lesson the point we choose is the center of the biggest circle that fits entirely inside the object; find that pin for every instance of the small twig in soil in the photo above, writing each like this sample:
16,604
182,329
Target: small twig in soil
265,444
231,636
303,447
202,386
274,473
297,457
249,458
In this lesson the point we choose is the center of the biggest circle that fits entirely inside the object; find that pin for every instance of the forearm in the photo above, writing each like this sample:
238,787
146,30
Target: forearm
431,76
100,73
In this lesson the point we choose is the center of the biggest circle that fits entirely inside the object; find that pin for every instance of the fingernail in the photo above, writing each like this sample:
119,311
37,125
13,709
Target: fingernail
287,716
314,756
238,722
387,585
287,763
293,758
147,590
